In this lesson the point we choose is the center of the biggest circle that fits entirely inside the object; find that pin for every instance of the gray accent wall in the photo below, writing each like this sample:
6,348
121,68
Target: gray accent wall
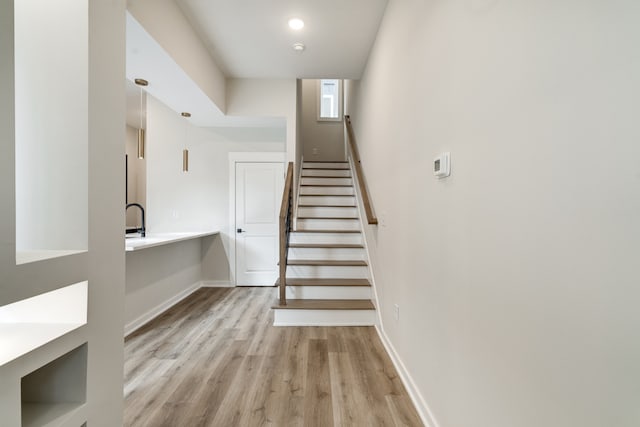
322,141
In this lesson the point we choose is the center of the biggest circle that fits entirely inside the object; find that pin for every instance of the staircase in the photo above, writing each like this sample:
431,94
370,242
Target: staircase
327,274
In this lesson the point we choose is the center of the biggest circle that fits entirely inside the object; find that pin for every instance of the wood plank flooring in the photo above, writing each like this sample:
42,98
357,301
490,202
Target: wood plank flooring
215,359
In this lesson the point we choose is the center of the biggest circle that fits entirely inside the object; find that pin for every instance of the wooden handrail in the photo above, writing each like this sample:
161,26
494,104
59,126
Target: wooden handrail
366,198
286,215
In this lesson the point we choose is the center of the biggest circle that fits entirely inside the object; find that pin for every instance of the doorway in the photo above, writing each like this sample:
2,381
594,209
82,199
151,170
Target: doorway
258,187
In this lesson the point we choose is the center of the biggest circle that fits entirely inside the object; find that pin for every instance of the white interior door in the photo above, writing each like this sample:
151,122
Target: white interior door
259,189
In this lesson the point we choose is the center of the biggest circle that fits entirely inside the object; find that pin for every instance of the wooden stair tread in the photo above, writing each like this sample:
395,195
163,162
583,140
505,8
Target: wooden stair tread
329,168
325,231
328,217
328,262
326,185
325,169
325,176
325,195
294,281
328,177
325,304
326,245
300,205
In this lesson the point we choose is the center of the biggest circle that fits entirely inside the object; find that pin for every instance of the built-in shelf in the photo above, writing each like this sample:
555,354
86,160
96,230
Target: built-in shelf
55,394
17,339
152,240
52,414
28,324
24,257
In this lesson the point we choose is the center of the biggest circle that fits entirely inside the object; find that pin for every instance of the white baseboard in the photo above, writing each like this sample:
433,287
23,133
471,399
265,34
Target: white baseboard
159,309
416,397
217,284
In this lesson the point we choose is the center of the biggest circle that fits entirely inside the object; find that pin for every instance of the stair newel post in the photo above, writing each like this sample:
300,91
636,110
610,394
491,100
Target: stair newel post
286,213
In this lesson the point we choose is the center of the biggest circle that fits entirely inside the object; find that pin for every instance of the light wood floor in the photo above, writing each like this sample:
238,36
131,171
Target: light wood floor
216,360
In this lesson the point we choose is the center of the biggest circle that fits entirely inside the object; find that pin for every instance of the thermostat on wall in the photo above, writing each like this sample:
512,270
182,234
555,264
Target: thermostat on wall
442,166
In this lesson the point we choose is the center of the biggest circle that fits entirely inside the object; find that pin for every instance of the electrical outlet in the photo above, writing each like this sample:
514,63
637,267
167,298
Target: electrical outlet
396,311
314,151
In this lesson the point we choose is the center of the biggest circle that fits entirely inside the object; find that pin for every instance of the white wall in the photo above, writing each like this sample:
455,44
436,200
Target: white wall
106,263
176,201
158,275
168,25
322,140
516,277
199,199
103,265
137,184
266,98
51,126
196,200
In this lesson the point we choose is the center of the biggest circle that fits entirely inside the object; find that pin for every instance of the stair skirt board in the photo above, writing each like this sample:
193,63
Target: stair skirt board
294,317
327,212
334,173
326,165
329,191
327,272
327,292
327,224
330,201
325,238
326,253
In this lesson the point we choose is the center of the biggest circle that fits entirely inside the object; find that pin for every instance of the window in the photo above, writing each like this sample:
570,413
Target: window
330,100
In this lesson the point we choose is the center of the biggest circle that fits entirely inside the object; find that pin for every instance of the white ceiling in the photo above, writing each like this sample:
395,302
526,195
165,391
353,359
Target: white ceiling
251,38
172,86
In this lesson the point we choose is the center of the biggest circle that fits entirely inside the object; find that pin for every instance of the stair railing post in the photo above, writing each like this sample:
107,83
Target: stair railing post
285,230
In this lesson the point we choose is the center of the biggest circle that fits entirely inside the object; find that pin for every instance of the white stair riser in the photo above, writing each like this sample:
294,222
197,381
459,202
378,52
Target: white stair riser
326,200
327,224
331,212
355,238
291,317
345,173
328,292
326,190
327,272
327,253
326,181
322,165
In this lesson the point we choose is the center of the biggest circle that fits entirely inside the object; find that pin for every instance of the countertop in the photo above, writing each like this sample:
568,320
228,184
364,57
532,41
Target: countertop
158,239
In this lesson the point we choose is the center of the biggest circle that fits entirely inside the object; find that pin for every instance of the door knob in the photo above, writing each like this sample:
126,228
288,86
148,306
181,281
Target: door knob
240,230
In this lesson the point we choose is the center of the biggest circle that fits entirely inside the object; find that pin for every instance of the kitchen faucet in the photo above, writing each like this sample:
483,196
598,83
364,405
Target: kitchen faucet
141,229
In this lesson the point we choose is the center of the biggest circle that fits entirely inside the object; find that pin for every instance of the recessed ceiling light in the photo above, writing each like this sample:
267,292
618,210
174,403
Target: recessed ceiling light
296,23
298,47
